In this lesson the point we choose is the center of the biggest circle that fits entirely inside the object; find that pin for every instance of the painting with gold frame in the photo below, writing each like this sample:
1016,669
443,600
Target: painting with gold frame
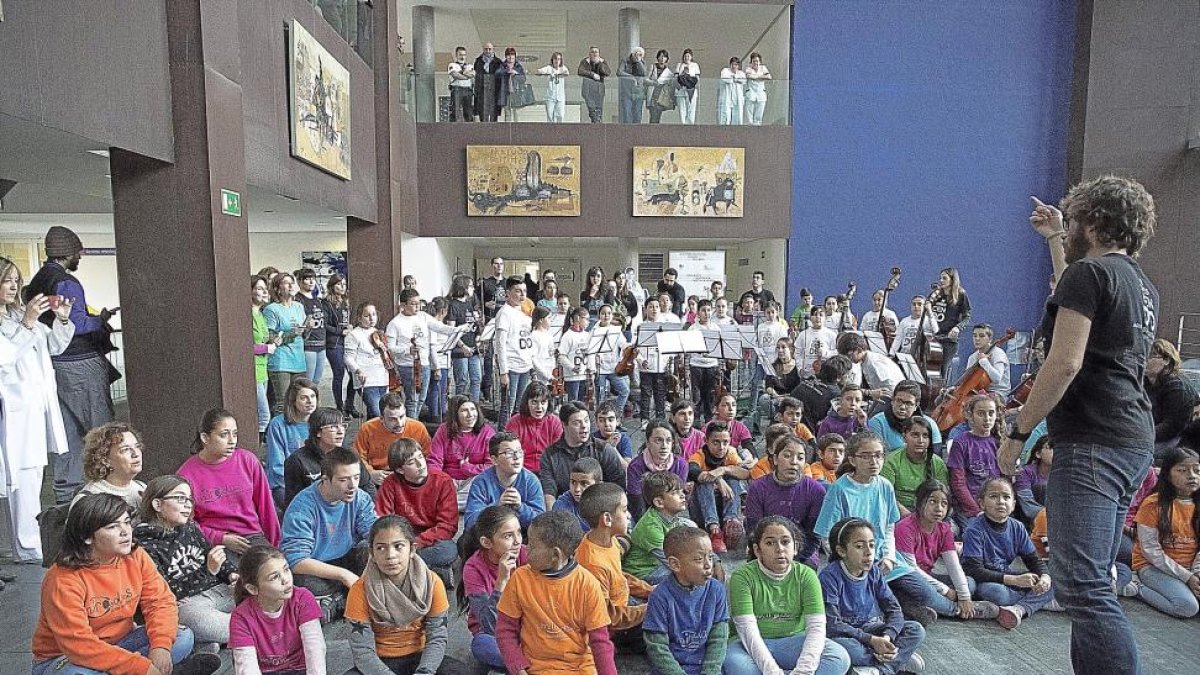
523,180
319,104
689,182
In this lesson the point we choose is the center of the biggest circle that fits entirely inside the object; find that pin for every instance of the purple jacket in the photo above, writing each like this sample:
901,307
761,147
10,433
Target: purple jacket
800,503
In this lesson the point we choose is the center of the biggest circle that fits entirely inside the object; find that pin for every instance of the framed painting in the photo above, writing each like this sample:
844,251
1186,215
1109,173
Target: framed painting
319,104
689,182
523,180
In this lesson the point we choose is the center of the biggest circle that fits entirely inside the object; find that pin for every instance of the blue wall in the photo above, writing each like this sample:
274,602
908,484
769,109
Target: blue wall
921,129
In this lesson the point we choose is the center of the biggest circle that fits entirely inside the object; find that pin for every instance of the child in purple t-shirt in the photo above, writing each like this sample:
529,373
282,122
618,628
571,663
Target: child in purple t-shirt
973,457
659,453
789,492
850,416
276,626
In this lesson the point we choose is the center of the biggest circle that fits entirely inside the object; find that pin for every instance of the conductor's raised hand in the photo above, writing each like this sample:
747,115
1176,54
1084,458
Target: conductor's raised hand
1047,220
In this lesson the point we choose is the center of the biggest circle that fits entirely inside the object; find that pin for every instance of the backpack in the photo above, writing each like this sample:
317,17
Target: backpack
53,524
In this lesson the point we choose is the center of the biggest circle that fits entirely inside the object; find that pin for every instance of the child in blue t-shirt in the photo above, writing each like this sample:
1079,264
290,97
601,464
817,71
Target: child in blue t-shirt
687,621
863,614
991,541
585,472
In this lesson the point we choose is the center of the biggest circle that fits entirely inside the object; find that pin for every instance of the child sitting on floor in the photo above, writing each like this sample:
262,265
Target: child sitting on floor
1167,530
831,453
687,619
914,464
606,509
492,550
720,483
788,492
427,499
665,502
766,465
973,457
585,472
276,626
552,615
398,608
660,453
863,615
991,542
848,417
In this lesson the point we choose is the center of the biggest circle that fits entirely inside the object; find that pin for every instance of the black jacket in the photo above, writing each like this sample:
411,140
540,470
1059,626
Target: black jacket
303,468
181,556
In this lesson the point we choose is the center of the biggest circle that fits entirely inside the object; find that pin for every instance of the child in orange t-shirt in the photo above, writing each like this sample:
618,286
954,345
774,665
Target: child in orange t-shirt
606,508
376,436
398,608
1165,553
831,450
766,465
553,618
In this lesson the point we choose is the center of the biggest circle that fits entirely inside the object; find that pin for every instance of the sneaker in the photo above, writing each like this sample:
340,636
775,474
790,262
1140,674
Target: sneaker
1010,616
735,532
921,614
1131,589
198,664
985,610
864,670
718,539
915,665
353,413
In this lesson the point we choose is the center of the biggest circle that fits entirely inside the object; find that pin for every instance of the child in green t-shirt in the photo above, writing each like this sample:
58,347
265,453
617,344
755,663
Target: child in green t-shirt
778,610
664,497
908,467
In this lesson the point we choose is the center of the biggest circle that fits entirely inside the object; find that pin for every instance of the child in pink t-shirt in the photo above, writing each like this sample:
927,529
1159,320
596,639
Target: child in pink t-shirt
276,627
924,538
492,550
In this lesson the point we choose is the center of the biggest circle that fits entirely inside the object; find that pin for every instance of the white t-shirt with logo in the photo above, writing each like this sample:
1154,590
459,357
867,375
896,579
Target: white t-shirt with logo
514,340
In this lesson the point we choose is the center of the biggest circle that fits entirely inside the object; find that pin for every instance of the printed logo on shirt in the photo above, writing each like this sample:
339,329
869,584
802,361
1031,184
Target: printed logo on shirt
99,606
220,493
690,639
1149,317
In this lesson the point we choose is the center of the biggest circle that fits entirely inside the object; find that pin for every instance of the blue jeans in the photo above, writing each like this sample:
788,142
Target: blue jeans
910,637
337,366
575,389
912,589
786,650
1167,594
620,387
435,396
512,396
135,641
1024,598
631,110
1087,497
706,498
371,396
264,408
467,374
486,651
413,399
314,365
945,606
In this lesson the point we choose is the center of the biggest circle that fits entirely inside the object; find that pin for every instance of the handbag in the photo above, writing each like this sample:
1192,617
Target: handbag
664,96
522,97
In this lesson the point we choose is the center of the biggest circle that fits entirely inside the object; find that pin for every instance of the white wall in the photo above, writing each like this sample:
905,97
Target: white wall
433,261
766,255
282,249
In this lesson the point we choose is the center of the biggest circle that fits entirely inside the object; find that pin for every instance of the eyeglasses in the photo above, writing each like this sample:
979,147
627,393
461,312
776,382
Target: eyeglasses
511,454
182,500
871,456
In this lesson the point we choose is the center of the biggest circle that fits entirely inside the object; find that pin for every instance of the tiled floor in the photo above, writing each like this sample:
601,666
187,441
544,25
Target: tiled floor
1168,646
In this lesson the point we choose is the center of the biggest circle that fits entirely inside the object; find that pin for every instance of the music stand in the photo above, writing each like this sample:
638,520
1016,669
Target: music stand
671,343
875,341
648,332
488,332
764,361
725,344
912,371
602,339
454,340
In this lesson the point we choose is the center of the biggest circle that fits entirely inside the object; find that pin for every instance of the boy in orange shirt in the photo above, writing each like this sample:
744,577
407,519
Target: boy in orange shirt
605,507
552,617
720,483
831,451
377,435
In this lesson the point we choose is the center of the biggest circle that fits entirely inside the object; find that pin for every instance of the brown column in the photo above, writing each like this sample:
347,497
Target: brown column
373,248
182,265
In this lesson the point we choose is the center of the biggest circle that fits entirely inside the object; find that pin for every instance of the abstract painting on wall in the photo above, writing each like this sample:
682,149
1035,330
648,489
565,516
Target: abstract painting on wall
319,90
689,182
325,264
523,180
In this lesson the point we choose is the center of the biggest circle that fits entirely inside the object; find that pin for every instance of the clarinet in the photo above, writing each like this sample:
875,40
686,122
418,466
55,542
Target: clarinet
416,367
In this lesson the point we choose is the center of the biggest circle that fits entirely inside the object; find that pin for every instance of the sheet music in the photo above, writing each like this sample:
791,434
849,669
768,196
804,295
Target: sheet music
488,332
912,371
765,361
875,342
454,340
603,338
681,342
726,344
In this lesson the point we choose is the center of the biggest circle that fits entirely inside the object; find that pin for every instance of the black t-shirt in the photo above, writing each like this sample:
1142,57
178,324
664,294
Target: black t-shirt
950,314
315,340
491,289
678,296
462,312
761,298
1107,403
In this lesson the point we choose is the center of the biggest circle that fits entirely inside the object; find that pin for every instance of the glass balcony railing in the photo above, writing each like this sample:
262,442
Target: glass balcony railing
352,20
430,99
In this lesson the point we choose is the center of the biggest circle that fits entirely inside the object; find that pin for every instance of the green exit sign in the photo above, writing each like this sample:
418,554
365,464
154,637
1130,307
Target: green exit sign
231,203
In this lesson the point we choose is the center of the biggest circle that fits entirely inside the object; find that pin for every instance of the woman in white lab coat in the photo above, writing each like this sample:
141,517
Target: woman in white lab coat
31,423
731,92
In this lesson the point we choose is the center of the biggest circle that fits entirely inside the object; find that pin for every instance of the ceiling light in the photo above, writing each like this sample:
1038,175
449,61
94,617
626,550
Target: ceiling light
268,211
108,176
99,153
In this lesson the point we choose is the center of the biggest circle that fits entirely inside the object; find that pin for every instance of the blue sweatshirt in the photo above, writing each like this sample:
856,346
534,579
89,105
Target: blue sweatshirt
851,602
566,502
283,438
314,528
486,490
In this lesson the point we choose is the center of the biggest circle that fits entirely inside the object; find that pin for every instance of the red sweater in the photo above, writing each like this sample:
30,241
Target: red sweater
536,436
432,507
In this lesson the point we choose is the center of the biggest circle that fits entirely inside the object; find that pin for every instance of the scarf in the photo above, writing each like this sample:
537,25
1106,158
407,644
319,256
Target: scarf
398,605
651,466
896,423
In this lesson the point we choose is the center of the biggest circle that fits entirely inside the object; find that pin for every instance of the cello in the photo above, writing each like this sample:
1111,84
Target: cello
888,326
949,411
927,351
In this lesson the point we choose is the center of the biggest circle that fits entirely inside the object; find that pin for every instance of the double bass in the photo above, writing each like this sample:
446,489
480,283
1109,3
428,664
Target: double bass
949,411
844,307
886,325
927,351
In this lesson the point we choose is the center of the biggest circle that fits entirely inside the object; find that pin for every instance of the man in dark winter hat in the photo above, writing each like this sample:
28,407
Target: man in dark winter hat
82,371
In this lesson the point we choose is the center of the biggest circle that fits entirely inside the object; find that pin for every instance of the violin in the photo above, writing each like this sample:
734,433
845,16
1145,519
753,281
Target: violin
625,365
558,385
887,325
416,367
949,412
379,342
